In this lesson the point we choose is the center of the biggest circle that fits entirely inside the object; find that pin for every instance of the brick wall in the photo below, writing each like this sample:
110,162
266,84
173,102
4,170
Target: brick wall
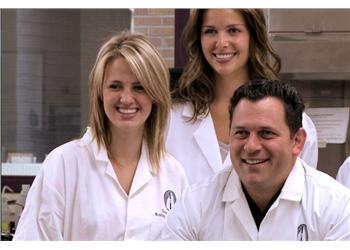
159,26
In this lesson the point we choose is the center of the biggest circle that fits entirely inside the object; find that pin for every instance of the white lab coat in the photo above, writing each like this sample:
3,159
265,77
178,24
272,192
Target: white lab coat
77,196
311,206
343,175
195,145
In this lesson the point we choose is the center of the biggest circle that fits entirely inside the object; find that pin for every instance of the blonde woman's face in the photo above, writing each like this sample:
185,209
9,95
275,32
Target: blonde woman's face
225,41
125,101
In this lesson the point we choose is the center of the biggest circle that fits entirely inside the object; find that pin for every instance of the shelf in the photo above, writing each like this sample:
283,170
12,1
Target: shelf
20,169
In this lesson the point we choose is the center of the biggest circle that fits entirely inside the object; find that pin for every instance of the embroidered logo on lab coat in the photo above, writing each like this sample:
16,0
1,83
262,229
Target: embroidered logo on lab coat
169,202
169,199
302,234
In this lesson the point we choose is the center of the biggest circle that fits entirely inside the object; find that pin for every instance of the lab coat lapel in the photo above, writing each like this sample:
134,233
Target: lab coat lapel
206,139
237,211
100,154
227,161
293,188
143,172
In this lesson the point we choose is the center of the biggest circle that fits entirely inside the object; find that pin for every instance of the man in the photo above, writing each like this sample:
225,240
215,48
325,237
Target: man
269,193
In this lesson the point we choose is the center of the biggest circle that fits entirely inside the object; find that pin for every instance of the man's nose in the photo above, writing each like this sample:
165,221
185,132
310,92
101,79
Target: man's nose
252,144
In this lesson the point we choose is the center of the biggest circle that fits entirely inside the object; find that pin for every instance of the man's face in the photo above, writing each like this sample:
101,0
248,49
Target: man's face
262,150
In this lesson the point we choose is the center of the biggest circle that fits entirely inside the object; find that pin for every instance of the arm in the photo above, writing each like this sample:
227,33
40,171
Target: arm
340,229
343,175
182,221
42,217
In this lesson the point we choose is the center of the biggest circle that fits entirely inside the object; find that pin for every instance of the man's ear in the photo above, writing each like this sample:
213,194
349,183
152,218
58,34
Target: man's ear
299,141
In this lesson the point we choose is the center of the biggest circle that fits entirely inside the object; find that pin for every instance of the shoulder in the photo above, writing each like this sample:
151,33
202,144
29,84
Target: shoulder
327,202
178,107
181,109
171,167
343,175
308,124
181,115
81,149
71,155
345,167
325,186
180,121
210,187
199,207
169,163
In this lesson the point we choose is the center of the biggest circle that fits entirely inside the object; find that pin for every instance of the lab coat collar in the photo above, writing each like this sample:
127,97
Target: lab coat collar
100,154
188,111
294,185
232,189
143,171
204,136
234,197
292,188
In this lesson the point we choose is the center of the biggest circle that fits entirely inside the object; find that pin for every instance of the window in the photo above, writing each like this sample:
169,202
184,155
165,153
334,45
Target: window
46,59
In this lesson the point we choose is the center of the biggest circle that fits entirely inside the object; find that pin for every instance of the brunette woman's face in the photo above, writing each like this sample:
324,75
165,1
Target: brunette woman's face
225,42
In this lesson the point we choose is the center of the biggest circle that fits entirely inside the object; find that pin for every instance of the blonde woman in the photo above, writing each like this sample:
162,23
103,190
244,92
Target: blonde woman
116,182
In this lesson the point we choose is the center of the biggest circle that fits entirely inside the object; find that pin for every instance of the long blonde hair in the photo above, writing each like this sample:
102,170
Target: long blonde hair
152,72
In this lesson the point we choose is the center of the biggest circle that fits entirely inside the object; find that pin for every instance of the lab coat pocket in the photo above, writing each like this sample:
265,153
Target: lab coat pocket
156,228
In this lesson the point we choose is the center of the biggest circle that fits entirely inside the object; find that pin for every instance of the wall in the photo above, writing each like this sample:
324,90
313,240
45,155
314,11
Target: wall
48,56
42,49
95,27
46,59
159,26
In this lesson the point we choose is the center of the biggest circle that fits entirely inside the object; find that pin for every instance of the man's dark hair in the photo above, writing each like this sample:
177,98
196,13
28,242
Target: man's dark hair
258,89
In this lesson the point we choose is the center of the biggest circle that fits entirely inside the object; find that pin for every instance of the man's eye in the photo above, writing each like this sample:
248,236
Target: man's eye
267,134
240,134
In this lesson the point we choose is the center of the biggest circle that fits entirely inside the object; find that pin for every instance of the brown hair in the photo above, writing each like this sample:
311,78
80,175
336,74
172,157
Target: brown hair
197,82
258,89
152,72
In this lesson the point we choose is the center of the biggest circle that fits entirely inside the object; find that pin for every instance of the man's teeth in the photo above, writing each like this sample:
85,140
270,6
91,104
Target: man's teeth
224,56
254,161
127,111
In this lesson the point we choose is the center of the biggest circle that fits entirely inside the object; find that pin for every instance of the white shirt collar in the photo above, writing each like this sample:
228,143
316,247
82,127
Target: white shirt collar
294,185
100,153
188,111
233,189
143,171
292,188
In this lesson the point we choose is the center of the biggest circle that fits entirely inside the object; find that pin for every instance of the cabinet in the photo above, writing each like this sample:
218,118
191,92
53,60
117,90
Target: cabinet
309,20
312,41
314,46
16,174
20,169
